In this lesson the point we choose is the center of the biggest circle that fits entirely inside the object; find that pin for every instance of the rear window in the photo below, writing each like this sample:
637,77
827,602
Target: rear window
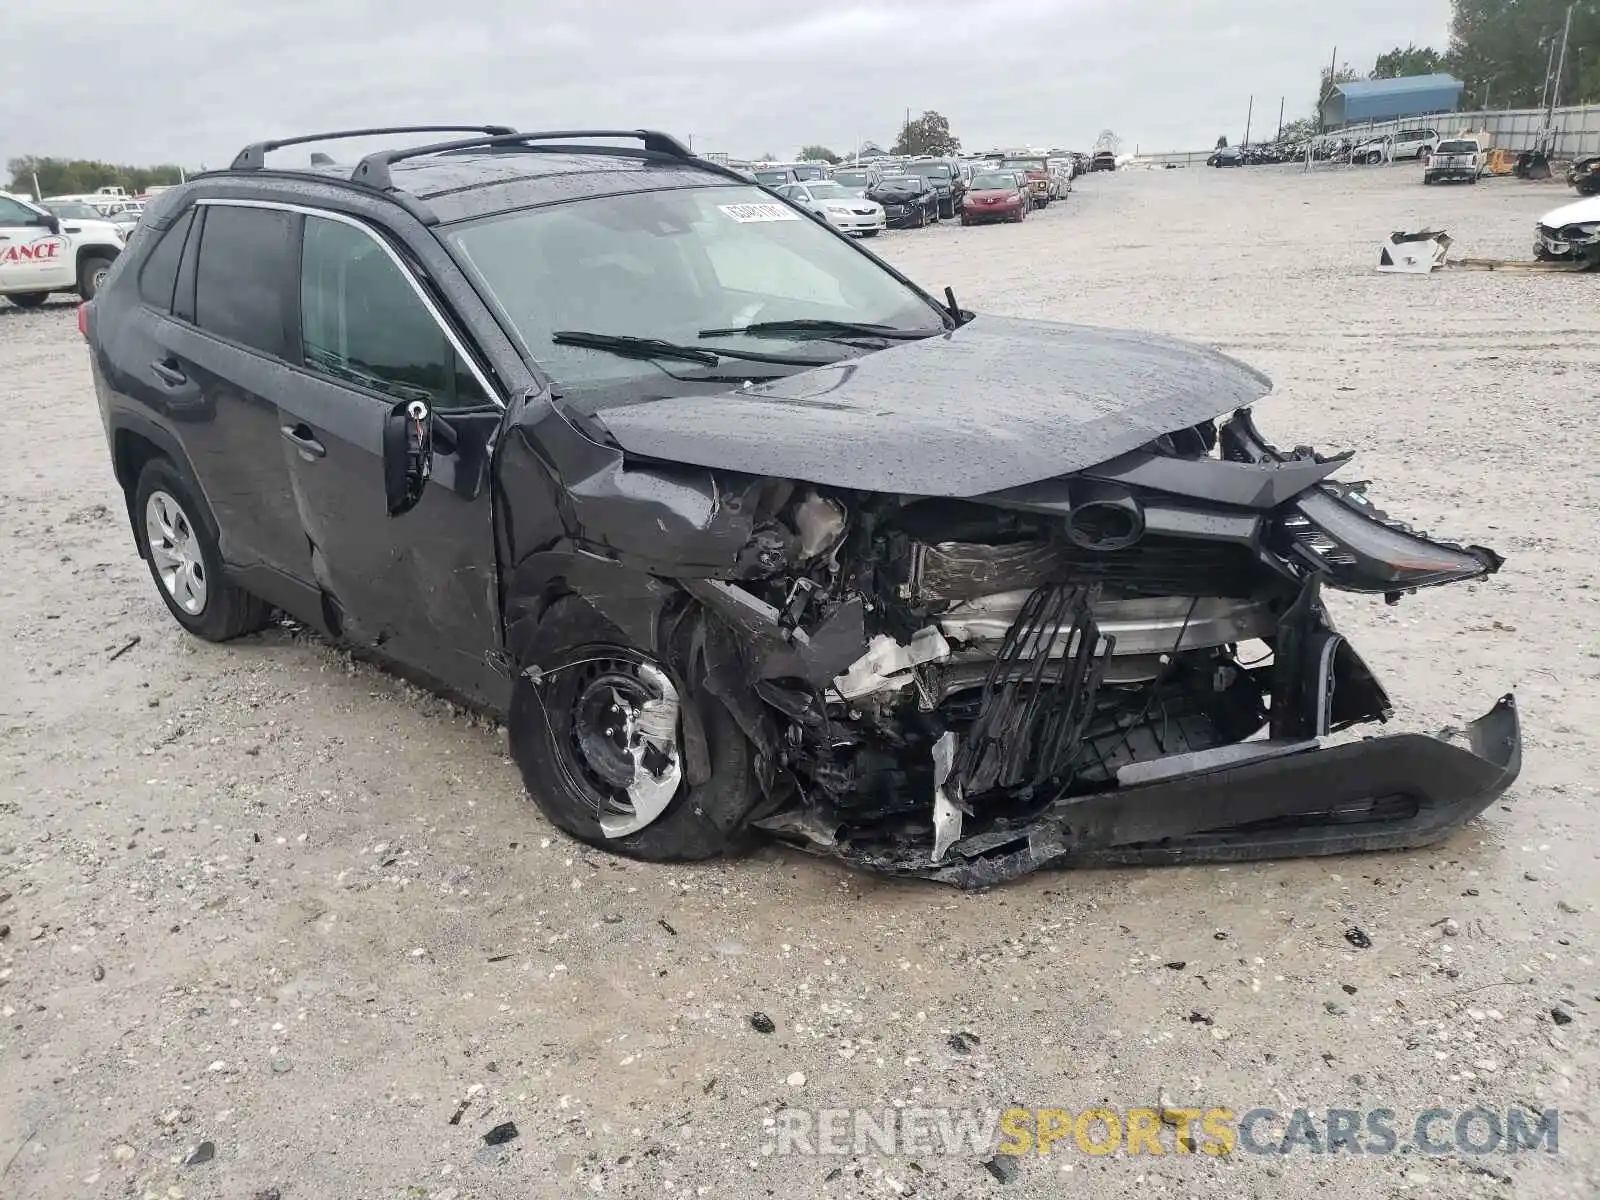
159,274
1458,147
239,281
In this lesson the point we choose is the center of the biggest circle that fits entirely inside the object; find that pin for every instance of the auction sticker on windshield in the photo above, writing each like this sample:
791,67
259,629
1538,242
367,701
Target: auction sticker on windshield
759,212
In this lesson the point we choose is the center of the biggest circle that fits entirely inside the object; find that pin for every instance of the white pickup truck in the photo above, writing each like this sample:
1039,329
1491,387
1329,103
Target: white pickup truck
41,252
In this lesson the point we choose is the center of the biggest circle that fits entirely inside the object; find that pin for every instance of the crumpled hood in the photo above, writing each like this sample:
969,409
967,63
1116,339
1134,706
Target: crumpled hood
1580,212
997,403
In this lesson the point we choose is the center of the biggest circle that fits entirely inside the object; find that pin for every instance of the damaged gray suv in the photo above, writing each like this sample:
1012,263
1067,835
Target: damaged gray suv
743,532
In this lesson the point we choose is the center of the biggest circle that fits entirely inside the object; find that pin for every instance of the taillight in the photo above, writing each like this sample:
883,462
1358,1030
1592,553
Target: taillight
83,320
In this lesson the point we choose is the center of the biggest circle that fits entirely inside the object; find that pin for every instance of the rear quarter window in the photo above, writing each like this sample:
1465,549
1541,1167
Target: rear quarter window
159,275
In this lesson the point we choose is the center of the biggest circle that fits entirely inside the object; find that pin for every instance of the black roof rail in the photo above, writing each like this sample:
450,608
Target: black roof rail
373,170
252,157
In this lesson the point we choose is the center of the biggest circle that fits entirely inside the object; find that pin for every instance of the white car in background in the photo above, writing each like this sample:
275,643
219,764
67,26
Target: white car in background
41,252
838,205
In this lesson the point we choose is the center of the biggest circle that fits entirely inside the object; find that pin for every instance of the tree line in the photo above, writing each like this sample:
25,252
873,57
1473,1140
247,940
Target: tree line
70,176
928,134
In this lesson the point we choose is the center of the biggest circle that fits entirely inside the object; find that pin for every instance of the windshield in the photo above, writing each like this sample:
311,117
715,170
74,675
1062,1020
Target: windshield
853,178
929,170
994,183
901,183
774,178
827,190
1023,164
810,171
1458,147
74,211
667,265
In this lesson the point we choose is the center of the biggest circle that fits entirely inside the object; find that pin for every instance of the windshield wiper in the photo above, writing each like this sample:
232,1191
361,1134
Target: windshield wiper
802,327
643,347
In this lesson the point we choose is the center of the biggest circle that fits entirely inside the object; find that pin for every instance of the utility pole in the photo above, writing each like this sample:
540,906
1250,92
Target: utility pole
1561,65
1549,69
1333,69
1281,99
1249,112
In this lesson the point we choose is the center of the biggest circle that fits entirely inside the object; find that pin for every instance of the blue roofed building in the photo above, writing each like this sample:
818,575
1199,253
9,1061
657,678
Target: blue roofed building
1391,99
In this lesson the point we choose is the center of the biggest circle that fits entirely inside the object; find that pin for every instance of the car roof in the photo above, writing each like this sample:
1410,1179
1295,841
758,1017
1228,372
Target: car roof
501,170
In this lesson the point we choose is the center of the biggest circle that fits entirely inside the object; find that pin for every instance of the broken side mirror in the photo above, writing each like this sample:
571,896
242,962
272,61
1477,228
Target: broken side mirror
411,433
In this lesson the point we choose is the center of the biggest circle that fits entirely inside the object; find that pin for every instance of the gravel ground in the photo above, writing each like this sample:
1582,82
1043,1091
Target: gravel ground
266,898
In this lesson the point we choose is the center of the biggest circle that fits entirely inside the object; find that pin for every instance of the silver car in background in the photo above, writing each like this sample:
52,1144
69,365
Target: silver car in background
838,205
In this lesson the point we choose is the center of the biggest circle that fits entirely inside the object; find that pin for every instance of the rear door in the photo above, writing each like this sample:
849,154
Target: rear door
33,256
419,586
212,370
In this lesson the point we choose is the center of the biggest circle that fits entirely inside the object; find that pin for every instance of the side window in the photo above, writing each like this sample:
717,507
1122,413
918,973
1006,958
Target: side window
362,323
240,292
159,274
13,213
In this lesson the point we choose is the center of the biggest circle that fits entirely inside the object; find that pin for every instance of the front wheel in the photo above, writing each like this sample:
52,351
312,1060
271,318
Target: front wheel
176,535
92,275
28,299
1374,157
597,728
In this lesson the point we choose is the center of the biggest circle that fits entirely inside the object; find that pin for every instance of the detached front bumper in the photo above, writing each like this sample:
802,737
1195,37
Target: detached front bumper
1255,800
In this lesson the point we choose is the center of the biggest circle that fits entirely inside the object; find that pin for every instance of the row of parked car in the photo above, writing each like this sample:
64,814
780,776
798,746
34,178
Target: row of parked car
911,193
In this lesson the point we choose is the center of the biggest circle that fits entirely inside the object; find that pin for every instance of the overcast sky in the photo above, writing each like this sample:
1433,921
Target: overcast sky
192,80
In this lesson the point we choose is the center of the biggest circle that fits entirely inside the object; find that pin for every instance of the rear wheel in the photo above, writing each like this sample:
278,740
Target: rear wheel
598,736
28,299
176,534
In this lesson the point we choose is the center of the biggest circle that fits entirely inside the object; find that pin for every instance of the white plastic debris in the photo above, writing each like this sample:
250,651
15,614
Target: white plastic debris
1414,253
886,666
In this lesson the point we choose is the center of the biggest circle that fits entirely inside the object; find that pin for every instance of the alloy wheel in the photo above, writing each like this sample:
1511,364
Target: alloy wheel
175,552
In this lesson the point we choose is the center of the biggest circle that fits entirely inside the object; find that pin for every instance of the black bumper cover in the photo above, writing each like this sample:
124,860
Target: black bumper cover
1388,793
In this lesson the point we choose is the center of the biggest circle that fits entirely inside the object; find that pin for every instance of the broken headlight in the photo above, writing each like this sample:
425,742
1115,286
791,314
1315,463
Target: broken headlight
1337,531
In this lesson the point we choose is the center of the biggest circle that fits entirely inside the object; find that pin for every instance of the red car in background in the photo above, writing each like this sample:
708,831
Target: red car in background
996,196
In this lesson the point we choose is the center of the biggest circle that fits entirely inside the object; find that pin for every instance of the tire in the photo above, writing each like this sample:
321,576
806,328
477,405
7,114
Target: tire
965,221
922,219
549,733
28,299
177,534
1427,178
92,275
1374,157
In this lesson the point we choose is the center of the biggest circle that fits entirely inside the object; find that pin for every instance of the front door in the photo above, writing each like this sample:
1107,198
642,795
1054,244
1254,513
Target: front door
34,256
419,586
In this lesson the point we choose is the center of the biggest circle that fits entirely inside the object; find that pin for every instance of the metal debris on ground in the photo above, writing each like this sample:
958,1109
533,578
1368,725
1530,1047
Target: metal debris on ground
1358,938
761,1023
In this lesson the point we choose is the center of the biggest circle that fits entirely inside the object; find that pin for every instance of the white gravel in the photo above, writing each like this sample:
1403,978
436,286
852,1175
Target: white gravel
325,916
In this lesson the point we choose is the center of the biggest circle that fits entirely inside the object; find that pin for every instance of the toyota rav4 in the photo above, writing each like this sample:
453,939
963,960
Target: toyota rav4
741,530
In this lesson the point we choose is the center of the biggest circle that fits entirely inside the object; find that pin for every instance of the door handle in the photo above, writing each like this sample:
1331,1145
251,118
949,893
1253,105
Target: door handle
169,373
302,439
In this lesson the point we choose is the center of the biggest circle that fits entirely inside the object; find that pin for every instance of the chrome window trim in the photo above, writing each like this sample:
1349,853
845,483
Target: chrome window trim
400,264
